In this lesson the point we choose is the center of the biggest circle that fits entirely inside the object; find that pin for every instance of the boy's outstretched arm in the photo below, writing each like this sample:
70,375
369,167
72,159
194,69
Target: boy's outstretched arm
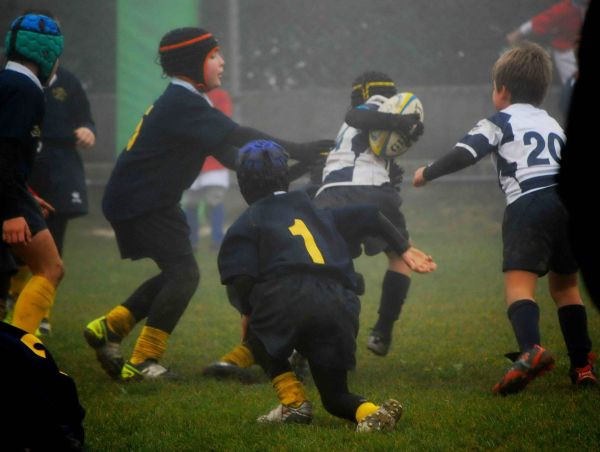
457,159
355,222
416,259
308,151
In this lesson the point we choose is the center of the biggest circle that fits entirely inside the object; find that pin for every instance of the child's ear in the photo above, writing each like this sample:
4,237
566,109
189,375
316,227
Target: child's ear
504,94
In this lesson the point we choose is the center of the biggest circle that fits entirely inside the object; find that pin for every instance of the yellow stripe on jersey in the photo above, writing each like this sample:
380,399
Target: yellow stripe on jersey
136,132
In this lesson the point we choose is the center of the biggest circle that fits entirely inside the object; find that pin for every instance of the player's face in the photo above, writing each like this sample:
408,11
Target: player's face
213,70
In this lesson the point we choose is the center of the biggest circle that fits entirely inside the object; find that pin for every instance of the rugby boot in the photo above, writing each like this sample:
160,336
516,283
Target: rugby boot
530,364
148,370
586,375
379,343
107,346
224,370
384,419
287,414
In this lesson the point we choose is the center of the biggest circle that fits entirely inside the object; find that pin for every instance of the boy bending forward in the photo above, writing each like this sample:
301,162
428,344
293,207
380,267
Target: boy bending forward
290,274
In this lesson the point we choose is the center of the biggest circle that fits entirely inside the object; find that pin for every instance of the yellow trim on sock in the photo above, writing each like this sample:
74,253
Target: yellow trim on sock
120,321
241,356
150,345
34,304
364,410
18,281
289,390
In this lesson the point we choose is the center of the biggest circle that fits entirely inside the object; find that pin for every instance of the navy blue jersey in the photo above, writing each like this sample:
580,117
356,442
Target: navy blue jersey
68,109
58,175
286,233
21,114
33,377
165,154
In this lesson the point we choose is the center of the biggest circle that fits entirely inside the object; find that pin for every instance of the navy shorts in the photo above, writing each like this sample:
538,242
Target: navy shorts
535,235
385,197
313,314
159,235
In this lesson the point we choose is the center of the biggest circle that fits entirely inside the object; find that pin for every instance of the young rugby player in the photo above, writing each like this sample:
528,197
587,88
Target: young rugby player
289,272
353,174
141,201
58,174
33,45
526,143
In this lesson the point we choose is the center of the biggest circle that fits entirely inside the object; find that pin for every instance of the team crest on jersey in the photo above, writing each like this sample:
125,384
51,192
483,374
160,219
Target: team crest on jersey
36,132
59,93
76,198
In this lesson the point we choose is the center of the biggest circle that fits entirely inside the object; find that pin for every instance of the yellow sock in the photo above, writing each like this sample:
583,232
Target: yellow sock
150,345
289,390
364,410
120,321
241,356
18,281
34,304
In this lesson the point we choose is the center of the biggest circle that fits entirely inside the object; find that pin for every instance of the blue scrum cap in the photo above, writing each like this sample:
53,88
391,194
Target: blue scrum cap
36,38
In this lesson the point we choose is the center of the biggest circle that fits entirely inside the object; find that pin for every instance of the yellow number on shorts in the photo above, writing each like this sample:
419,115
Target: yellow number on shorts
299,228
136,132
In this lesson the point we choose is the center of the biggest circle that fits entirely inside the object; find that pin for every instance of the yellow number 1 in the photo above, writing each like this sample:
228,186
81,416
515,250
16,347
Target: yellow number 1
299,228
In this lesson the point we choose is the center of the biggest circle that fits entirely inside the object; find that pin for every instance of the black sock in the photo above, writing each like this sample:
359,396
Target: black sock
574,327
524,316
393,293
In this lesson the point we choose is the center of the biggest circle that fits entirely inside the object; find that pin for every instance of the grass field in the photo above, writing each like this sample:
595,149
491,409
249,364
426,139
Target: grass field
447,352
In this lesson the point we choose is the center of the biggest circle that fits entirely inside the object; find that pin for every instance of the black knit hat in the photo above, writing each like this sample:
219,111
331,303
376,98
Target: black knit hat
184,52
369,84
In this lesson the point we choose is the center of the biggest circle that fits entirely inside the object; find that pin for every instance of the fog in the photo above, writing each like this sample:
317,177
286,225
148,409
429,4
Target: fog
290,63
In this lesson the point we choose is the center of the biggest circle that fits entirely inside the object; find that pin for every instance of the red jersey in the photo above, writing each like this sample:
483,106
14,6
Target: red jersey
562,22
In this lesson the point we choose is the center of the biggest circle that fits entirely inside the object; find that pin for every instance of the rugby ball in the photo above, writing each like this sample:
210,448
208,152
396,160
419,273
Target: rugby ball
388,144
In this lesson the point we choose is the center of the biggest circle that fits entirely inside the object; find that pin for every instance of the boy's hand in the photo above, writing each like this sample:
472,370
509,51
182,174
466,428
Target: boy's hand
15,231
419,179
418,261
84,137
409,126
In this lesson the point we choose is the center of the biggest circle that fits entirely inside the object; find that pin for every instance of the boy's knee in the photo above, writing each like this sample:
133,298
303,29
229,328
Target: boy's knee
185,272
54,272
190,277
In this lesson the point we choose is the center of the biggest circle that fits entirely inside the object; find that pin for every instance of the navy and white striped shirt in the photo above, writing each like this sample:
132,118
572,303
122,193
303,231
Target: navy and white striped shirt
352,162
525,144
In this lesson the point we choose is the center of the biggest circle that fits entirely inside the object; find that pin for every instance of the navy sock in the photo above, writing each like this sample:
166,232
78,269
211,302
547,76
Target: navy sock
524,316
393,293
574,327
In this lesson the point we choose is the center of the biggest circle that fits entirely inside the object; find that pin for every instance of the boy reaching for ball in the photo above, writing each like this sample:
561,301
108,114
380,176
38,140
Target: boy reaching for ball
354,175
525,144
142,200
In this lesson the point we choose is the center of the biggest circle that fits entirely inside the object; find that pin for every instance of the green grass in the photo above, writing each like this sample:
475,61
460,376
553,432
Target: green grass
446,355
